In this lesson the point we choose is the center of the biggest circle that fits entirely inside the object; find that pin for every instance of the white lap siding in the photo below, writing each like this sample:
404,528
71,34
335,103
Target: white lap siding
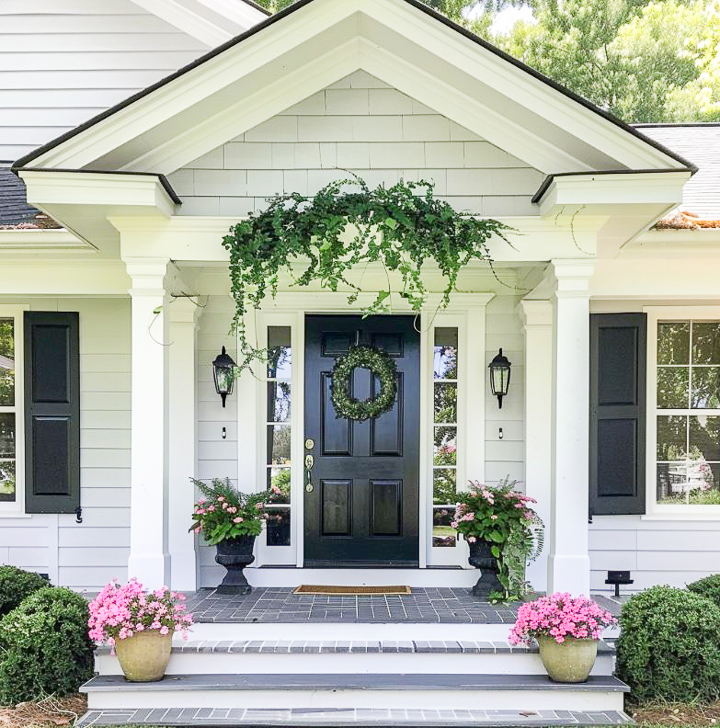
674,552
363,126
217,457
87,555
64,61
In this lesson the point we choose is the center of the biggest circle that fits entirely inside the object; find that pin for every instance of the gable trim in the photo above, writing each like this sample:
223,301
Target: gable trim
27,159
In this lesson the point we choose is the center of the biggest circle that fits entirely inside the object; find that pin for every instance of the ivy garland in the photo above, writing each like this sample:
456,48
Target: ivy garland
320,239
379,364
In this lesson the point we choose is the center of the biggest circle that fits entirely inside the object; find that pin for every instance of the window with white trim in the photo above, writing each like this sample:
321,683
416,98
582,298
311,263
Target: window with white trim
279,431
686,415
445,435
11,414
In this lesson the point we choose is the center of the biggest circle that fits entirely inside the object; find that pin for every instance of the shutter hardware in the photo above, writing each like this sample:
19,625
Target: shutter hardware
78,515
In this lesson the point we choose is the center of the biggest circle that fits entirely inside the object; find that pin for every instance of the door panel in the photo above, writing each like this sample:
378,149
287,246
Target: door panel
362,505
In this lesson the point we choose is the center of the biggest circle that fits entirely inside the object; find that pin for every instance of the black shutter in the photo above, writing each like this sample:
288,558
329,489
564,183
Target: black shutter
52,412
618,355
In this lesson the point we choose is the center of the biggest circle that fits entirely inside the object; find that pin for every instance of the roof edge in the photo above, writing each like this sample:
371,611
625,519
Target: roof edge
164,182
23,161
547,182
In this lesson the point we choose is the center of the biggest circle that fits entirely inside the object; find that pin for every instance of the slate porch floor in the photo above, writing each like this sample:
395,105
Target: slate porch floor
279,604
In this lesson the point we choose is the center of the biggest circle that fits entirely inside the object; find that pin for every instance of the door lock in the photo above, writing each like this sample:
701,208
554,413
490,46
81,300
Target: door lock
309,443
309,462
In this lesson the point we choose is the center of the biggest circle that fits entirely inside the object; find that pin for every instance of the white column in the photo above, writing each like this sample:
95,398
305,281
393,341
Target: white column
569,564
537,318
182,444
149,560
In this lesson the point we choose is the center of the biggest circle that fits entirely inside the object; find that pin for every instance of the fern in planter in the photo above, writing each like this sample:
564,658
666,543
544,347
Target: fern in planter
346,225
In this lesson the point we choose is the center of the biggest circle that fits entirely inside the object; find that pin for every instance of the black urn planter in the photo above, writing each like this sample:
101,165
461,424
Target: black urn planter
481,558
235,554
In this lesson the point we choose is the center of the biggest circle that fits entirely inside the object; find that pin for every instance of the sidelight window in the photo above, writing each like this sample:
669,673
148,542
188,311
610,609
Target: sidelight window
445,431
278,435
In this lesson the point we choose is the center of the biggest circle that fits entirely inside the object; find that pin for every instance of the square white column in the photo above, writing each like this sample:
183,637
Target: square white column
537,318
149,560
183,442
569,563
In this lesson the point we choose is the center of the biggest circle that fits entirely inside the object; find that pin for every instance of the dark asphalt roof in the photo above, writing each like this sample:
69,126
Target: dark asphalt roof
14,208
700,144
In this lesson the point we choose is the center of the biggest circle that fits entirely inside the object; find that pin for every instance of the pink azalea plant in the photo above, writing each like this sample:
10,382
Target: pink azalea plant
560,616
119,612
224,513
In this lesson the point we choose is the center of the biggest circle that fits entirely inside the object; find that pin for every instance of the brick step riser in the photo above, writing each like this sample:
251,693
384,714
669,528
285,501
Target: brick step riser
354,663
525,700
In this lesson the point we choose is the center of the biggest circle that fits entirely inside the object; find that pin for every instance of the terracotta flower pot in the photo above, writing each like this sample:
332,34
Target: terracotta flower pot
235,554
481,558
144,657
569,661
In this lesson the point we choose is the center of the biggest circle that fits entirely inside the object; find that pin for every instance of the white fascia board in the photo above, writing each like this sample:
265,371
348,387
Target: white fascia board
195,86
527,90
671,243
196,26
184,145
139,194
320,24
199,239
57,277
27,241
589,191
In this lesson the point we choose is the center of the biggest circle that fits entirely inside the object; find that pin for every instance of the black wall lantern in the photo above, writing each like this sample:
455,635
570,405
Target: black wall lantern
224,374
500,376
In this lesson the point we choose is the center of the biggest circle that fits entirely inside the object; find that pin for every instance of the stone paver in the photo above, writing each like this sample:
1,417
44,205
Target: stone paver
353,717
277,604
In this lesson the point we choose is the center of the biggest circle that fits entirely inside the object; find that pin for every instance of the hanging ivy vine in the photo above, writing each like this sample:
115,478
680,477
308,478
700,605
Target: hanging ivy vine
344,226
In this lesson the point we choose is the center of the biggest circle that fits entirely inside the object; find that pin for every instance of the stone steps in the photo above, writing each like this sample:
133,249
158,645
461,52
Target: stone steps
227,657
330,692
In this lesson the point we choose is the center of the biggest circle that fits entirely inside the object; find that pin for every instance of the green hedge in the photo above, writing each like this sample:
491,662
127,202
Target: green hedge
16,585
708,587
669,646
44,646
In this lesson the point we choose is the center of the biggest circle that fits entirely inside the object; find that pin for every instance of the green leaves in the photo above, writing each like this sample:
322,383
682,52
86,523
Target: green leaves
345,226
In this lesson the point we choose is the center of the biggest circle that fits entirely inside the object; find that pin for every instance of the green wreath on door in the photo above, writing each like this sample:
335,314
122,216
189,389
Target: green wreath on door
380,365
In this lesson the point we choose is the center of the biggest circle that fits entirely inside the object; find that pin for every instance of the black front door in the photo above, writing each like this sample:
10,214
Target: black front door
361,501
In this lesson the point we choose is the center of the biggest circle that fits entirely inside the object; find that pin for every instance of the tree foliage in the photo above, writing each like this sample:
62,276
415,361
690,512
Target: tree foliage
642,60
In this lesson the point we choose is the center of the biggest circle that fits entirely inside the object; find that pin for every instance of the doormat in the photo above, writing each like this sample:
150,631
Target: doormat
351,590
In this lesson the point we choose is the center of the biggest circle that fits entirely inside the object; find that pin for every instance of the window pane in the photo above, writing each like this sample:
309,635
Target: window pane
278,402
444,446
704,438
444,488
445,404
695,484
278,526
705,388
278,444
672,387
671,438
706,342
7,363
444,535
445,361
280,352
674,342
278,485
7,435
7,480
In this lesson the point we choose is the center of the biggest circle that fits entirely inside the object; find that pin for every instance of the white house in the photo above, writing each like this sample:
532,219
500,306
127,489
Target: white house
612,326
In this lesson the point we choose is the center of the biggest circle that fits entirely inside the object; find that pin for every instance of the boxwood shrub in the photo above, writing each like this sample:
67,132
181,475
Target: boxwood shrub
15,585
708,587
44,646
669,646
